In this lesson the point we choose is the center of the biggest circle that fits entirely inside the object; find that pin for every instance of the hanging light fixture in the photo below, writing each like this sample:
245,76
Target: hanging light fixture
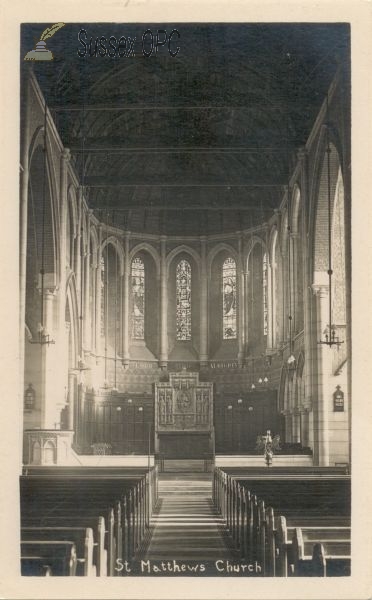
330,338
43,336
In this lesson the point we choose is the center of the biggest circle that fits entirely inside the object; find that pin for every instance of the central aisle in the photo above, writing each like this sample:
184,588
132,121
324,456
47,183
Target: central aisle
185,525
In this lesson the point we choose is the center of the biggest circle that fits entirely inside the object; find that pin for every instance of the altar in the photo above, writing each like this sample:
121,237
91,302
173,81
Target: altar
184,417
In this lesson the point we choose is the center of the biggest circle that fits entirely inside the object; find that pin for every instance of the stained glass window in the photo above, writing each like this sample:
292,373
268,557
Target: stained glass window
183,296
229,299
264,294
138,299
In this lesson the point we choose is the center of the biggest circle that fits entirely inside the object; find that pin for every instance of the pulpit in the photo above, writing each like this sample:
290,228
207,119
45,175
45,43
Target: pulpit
184,417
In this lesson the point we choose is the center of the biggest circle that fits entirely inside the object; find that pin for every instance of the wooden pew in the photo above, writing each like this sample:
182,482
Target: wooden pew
59,556
255,530
330,554
71,493
96,524
82,538
35,566
288,553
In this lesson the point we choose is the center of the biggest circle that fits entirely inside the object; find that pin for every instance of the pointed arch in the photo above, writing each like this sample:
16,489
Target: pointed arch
115,242
254,240
144,246
178,250
222,247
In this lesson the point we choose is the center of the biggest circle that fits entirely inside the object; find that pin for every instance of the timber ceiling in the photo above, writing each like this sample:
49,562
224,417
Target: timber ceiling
200,143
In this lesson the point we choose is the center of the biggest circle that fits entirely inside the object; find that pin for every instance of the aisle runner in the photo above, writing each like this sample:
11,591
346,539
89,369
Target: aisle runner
188,536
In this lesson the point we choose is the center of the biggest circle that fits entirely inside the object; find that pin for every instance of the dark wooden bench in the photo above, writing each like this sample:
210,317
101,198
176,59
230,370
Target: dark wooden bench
96,524
80,536
60,557
118,507
247,504
35,566
329,555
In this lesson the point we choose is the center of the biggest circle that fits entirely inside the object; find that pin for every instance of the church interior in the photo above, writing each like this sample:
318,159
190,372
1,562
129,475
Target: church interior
185,303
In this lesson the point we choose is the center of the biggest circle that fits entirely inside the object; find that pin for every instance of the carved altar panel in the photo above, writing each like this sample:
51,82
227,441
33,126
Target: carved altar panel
184,403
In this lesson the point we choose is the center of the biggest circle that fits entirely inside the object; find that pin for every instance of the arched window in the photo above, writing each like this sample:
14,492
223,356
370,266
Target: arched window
264,294
183,298
138,299
229,299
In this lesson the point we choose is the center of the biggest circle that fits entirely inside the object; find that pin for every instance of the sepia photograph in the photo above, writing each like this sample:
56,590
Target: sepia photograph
185,299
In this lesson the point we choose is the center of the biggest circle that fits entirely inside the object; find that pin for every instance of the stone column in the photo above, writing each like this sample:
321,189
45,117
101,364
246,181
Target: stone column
87,315
241,304
50,386
203,304
78,257
288,426
269,344
163,355
302,156
296,426
98,340
293,265
322,365
346,173
23,210
126,282
284,296
65,159
306,408
245,275
71,399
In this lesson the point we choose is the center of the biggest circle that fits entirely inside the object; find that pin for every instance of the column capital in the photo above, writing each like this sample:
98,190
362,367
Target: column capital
320,289
302,153
66,154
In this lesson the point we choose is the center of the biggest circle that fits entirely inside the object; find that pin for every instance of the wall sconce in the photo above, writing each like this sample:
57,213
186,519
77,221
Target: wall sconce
291,362
338,400
29,398
129,400
250,408
229,407
240,400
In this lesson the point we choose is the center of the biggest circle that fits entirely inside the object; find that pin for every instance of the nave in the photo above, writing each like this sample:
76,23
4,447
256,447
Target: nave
185,305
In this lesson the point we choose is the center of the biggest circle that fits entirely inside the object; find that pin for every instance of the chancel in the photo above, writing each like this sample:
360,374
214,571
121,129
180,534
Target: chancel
185,304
